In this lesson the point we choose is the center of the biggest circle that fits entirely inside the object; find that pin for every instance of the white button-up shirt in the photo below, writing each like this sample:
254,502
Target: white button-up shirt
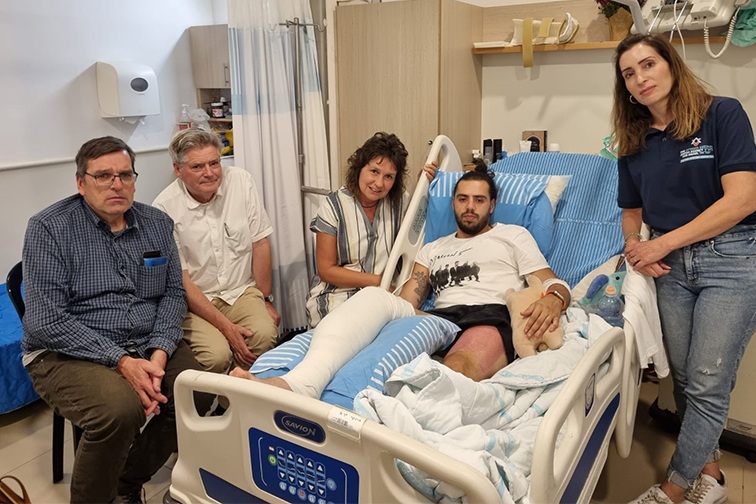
215,238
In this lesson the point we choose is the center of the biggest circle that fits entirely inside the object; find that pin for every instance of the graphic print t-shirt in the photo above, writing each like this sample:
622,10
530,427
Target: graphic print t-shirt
479,270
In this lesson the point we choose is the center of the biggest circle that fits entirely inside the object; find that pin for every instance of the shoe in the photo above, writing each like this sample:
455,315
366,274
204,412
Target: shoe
135,497
707,490
653,495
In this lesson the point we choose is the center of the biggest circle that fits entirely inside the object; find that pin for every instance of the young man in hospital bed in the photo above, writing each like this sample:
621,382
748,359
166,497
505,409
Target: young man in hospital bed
469,271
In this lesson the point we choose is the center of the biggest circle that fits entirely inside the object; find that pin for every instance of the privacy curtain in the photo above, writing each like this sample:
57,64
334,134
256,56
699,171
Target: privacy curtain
265,128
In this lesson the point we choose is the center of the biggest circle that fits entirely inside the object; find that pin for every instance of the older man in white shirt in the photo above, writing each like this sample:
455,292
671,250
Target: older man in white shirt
221,229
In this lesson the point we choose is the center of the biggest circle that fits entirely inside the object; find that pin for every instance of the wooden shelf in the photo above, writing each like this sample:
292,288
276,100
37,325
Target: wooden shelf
582,46
579,46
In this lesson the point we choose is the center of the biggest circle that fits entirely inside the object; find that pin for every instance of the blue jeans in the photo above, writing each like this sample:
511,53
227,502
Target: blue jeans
708,314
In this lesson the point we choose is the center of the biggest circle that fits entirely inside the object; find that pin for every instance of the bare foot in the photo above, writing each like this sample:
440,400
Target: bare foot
276,382
243,373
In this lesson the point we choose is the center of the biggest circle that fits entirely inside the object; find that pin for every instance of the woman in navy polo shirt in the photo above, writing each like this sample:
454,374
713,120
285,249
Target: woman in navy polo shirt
687,168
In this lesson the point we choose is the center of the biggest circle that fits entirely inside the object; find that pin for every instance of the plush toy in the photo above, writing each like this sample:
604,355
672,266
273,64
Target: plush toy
598,287
517,301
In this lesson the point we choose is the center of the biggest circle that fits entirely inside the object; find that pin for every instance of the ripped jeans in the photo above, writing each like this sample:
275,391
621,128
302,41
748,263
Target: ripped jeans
707,305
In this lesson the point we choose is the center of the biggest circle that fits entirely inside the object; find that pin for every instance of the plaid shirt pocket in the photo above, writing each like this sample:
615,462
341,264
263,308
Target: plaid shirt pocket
151,281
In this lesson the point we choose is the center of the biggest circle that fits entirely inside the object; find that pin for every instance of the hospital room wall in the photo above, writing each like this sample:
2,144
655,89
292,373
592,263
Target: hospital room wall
569,94
48,95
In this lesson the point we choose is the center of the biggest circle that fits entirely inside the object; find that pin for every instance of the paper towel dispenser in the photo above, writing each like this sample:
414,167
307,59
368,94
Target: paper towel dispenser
127,89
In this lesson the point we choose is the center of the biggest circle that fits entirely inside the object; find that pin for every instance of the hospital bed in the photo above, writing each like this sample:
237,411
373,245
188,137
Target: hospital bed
275,446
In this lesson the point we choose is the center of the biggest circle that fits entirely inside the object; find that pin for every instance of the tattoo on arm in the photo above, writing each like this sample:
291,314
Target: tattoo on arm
422,286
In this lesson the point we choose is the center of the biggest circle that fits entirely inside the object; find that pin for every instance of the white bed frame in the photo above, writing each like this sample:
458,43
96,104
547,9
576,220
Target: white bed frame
230,458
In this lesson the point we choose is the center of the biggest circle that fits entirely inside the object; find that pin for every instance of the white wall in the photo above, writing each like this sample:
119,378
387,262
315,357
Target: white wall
48,94
569,94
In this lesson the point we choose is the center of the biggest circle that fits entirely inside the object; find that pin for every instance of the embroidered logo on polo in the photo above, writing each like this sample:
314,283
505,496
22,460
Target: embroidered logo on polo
696,151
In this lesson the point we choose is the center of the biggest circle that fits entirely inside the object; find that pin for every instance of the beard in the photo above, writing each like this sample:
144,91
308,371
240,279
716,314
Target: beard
474,227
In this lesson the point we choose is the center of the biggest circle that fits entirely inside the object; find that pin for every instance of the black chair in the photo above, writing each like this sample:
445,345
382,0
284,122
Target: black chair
13,284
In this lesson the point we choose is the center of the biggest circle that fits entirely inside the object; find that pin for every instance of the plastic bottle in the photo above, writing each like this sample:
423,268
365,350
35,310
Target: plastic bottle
184,121
610,307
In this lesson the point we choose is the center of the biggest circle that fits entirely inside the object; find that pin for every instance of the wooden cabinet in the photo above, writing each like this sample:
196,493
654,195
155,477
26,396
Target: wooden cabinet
211,70
210,56
406,68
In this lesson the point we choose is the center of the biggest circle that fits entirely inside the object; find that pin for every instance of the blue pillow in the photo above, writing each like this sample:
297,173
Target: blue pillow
521,201
398,343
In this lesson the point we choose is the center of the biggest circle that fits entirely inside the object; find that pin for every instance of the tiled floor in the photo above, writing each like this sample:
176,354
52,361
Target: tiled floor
25,438
625,479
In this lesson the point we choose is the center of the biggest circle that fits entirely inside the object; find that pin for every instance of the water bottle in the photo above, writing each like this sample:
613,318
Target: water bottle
610,307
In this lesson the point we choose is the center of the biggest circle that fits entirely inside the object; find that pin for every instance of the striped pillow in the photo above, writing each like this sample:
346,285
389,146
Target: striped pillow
521,200
398,343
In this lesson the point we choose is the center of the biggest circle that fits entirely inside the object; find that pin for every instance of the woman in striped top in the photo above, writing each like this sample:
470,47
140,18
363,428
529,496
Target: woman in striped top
356,226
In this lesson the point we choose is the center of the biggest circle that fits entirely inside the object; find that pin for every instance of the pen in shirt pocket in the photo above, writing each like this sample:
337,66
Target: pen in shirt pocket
225,226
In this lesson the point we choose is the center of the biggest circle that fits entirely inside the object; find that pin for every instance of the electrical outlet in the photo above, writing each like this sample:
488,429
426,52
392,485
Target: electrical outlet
537,139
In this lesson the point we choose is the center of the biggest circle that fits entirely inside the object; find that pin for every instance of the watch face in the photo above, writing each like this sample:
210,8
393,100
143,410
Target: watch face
268,299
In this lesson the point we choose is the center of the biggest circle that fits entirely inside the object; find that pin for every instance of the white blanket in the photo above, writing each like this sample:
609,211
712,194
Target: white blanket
490,425
642,313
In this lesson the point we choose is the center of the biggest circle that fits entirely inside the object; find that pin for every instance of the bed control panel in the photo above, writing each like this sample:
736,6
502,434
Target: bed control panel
299,475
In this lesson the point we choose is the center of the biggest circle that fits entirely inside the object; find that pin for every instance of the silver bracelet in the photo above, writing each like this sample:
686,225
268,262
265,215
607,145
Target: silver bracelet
640,237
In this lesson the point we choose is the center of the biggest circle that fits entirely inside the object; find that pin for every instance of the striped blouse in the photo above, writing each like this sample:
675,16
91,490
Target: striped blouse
361,246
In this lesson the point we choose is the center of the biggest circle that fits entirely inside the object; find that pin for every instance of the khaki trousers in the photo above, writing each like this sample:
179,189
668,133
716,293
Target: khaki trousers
210,346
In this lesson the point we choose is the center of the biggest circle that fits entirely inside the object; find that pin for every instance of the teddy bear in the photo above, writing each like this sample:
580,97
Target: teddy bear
517,301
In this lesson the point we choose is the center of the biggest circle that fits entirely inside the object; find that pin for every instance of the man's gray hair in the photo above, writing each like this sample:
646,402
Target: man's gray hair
188,139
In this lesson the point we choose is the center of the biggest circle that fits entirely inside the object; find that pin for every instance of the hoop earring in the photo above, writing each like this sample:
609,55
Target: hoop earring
633,100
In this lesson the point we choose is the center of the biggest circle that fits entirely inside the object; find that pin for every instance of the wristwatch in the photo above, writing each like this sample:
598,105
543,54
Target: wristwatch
268,299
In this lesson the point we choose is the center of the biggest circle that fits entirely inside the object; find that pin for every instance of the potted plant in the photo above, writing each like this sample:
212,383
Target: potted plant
619,17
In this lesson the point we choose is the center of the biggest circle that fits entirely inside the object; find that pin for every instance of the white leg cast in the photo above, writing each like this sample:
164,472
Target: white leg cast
342,334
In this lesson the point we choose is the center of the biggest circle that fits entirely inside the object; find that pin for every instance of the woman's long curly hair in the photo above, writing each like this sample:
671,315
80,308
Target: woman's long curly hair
381,145
689,99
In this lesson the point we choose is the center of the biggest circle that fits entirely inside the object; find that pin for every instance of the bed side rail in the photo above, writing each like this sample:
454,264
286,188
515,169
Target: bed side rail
411,234
631,382
587,409
213,443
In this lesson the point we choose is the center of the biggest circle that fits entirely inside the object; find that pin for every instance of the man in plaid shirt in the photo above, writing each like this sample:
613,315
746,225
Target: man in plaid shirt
102,330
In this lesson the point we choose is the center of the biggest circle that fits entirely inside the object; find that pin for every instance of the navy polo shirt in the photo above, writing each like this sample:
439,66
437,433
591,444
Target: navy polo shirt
675,180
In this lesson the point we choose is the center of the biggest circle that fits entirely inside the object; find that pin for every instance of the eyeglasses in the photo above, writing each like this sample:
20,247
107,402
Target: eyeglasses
107,179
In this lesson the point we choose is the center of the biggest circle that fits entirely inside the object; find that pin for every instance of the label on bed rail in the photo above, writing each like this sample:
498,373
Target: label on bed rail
299,426
297,474
345,422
